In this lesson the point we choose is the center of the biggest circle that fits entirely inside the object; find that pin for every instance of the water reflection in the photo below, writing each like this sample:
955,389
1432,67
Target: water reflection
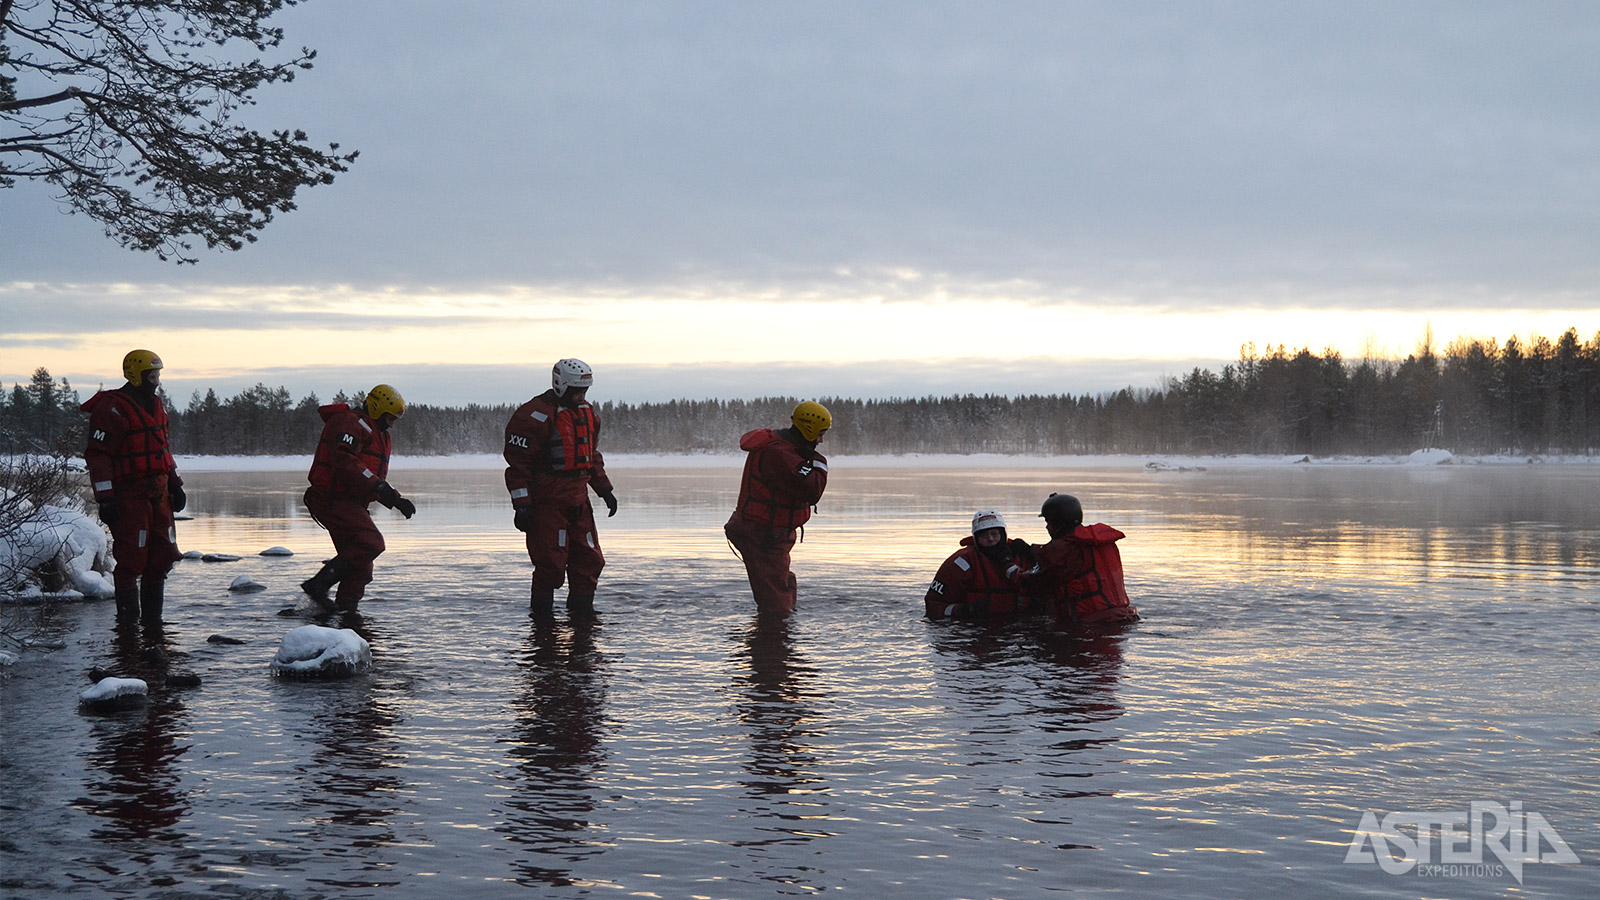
137,788
1013,680
350,784
776,692
557,746
1078,677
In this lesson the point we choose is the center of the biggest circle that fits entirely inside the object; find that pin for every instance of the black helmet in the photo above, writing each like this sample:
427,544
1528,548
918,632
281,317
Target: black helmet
1062,510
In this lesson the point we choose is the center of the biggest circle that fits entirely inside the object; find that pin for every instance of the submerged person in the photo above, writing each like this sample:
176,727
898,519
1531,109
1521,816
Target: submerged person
553,459
1079,572
784,477
976,581
136,484
348,472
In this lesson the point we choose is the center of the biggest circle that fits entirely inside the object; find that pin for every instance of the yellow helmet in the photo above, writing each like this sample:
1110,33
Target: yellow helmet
138,362
385,399
811,419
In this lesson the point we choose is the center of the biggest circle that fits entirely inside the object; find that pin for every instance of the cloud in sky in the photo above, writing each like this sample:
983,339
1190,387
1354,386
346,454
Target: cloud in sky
1273,171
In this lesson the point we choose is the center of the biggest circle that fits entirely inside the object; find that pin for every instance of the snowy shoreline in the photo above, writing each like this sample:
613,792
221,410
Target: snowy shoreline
489,461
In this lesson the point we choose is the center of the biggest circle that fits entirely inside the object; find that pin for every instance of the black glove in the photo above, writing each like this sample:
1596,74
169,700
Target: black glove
178,497
1022,550
610,498
406,507
108,511
386,494
523,518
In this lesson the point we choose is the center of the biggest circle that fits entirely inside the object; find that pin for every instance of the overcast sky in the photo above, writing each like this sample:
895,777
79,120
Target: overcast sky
859,199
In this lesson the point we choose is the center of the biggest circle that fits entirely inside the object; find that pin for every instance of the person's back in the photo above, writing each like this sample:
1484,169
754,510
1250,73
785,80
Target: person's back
1080,570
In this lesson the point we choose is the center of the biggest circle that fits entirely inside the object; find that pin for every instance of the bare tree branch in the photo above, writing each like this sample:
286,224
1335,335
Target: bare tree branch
140,135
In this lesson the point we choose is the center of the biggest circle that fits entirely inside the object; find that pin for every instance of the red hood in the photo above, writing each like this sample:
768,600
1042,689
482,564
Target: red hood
1098,533
755,440
333,409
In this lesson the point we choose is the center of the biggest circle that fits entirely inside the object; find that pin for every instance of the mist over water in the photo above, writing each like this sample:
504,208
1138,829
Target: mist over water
1318,642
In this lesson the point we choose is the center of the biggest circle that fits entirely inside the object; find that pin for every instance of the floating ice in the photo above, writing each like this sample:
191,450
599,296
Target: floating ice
312,651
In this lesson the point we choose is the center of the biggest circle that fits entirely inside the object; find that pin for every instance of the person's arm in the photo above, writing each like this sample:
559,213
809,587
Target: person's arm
598,479
346,434
108,426
947,595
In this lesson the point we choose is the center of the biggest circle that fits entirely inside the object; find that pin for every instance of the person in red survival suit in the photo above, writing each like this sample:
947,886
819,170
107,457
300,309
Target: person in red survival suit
784,477
136,484
1079,573
973,584
553,458
348,472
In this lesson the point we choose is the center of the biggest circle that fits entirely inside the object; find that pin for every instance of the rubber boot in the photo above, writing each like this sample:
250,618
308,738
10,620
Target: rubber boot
318,585
543,603
127,604
580,607
152,595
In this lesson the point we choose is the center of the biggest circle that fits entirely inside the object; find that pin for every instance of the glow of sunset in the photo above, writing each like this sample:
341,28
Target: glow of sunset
504,329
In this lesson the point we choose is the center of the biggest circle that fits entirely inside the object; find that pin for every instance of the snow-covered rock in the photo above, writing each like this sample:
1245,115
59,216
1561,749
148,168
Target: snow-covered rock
193,554
277,551
115,693
244,584
76,542
219,557
313,651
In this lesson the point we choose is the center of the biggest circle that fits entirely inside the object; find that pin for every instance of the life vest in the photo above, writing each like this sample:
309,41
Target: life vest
142,449
987,588
1097,595
774,495
569,447
352,456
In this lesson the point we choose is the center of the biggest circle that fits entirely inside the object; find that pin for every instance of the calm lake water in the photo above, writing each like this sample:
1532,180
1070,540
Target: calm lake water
1319,642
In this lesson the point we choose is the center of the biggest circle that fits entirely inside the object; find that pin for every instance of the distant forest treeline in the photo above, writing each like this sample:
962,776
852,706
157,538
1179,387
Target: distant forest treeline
1474,396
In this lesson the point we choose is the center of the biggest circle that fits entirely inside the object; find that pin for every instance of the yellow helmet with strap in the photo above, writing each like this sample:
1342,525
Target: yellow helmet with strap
811,419
138,362
385,399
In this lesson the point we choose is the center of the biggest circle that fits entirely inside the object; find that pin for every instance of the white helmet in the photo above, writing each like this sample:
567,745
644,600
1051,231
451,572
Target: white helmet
987,519
571,373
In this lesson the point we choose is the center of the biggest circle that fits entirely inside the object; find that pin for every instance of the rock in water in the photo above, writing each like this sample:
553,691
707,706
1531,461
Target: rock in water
244,585
219,557
114,693
313,651
223,639
277,551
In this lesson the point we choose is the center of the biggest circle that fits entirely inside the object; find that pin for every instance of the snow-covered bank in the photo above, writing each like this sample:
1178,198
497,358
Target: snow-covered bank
73,540
493,461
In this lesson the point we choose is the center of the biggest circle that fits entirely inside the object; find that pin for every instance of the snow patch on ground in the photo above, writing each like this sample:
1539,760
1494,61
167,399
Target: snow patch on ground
76,542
